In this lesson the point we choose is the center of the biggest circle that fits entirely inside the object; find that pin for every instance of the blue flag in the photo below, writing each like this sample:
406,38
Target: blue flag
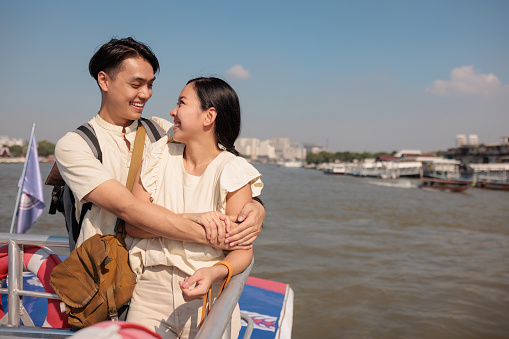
31,203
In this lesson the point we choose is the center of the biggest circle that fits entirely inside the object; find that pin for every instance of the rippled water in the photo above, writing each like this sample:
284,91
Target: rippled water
369,258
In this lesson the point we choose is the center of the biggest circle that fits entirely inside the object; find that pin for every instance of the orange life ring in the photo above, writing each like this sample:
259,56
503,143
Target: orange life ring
40,261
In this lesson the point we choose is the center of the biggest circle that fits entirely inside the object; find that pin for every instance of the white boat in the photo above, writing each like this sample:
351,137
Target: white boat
291,164
491,176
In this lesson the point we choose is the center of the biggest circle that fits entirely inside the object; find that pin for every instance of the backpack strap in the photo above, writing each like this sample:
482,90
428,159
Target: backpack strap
86,131
154,131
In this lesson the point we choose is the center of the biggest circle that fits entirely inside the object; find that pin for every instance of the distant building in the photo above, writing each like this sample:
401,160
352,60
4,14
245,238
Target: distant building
461,140
473,140
6,141
475,153
247,146
313,148
5,152
294,151
407,153
280,144
267,150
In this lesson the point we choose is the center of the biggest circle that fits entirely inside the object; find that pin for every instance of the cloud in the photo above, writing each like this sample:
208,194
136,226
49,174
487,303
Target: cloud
238,72
465,81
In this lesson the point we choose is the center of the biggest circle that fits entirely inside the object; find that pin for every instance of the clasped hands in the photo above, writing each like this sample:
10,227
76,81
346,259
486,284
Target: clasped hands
231,232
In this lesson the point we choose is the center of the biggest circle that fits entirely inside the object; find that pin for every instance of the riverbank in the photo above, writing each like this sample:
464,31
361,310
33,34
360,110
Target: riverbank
21,160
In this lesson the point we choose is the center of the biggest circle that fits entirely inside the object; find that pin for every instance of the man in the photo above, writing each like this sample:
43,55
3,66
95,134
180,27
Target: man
125,71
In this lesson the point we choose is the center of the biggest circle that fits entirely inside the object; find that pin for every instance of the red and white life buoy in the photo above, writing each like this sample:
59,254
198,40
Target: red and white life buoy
40,261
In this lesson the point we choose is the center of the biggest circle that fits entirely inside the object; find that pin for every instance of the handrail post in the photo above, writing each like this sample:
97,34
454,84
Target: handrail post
13,279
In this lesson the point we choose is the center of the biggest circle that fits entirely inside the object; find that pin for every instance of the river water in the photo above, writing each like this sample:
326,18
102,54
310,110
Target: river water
369,258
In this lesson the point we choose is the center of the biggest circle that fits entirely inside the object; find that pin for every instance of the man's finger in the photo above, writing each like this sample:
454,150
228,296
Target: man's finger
244,213
238,228
244,237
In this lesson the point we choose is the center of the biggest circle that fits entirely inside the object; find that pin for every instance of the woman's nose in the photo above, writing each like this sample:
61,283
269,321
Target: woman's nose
173,112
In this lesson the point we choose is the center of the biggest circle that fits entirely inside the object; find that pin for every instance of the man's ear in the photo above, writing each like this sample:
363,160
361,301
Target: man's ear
103,80
210,117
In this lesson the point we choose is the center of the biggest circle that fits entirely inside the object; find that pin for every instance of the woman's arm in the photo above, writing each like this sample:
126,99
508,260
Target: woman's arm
239,259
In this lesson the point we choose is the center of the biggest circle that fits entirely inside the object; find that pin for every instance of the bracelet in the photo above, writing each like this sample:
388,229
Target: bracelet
207,300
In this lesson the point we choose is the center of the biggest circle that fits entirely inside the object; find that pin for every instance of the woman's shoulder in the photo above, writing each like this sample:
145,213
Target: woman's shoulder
237,168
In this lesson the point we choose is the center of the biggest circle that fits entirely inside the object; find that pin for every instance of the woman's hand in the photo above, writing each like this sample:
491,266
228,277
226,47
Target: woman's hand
203,278
216,225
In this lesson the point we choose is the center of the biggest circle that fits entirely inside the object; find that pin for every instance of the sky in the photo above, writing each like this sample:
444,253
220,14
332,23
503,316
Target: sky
360,76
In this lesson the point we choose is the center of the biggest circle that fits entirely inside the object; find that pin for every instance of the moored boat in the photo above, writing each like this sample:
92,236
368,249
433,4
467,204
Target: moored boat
493,185
491,176
291,164
453,185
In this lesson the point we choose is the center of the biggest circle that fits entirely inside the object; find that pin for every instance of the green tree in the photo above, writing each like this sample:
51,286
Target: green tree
45,148
17,151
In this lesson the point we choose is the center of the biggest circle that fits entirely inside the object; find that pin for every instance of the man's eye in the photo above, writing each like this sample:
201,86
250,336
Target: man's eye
135,85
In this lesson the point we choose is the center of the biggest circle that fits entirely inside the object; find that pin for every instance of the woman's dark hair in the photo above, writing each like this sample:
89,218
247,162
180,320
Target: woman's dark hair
109,57
214,92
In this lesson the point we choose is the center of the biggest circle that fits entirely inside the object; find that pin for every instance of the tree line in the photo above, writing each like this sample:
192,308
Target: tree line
44,148
324,156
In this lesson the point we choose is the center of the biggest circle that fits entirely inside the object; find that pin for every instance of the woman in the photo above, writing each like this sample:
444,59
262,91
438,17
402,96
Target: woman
203,173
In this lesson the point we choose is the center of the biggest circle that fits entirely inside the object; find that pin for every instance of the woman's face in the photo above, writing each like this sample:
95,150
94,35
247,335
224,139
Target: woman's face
188,115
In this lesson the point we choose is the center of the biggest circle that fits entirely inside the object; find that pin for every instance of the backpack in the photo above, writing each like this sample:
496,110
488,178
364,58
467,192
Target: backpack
62,198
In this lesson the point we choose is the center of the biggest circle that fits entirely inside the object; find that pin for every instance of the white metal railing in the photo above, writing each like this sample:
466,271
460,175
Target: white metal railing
215,326
16,311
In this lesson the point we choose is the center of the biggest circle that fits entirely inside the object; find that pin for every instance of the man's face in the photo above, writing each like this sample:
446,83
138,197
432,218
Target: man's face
126,94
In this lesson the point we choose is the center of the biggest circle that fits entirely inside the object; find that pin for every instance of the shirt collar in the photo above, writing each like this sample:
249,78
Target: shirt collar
114,128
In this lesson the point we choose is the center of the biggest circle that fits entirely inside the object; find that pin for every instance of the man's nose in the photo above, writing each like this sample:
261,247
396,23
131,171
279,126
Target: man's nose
145,92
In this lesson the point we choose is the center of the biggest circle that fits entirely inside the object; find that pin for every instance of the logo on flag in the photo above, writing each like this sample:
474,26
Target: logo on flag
32,200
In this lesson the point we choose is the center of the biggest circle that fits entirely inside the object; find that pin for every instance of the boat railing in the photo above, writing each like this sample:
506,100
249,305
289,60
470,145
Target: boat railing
216,325
16,311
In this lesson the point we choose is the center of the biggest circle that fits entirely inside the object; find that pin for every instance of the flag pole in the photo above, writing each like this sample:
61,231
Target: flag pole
22,181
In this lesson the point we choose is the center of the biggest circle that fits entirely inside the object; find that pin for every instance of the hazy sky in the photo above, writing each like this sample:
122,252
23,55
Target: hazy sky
350,75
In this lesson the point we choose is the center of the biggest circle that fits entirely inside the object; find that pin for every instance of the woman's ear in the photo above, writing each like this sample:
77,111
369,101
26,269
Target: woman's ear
103,80
210,116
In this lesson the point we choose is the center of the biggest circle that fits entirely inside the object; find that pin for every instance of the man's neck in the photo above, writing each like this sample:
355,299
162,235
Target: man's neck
109,118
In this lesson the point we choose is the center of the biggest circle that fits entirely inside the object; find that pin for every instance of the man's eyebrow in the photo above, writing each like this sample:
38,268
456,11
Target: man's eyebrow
135,78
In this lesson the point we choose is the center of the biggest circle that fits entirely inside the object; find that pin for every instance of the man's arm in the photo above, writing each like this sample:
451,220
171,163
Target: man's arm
157,220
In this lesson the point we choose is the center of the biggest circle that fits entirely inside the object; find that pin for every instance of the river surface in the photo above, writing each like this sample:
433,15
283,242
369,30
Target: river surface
369,258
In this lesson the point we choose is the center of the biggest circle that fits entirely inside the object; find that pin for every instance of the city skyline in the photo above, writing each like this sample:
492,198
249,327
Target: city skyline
353,76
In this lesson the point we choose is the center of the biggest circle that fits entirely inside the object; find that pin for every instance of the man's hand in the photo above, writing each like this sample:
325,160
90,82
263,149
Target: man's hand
250,218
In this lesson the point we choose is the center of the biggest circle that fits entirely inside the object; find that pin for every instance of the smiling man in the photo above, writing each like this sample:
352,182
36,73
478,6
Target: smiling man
125,72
